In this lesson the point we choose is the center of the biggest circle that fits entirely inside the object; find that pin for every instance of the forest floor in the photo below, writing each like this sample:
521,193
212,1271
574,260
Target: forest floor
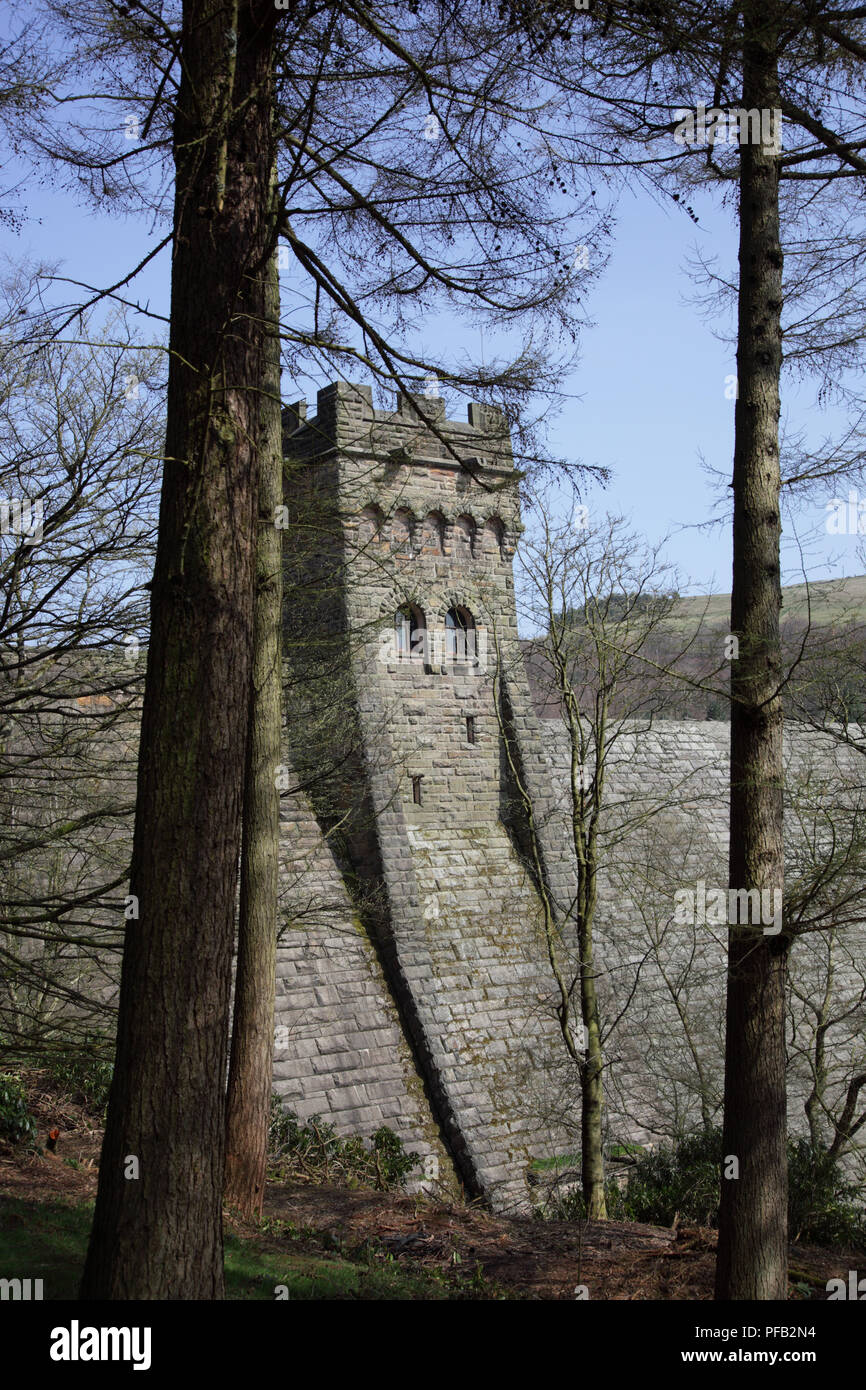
325,1242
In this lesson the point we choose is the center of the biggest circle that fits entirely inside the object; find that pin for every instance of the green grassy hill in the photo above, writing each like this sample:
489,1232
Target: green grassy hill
685,672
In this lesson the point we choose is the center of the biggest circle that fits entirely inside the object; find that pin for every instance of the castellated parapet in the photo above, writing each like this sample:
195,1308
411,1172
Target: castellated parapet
400,629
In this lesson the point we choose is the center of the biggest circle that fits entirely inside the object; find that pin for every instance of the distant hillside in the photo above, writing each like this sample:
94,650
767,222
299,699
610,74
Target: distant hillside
824,643
832,601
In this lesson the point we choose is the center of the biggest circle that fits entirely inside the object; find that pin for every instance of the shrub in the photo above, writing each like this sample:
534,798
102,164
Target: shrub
316,1151
683,1177
392,1159
84,1078
824,1207
17,1125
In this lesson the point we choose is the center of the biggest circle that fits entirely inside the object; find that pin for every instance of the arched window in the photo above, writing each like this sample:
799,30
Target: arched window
432,533
464,537
459,635
410,632
369,525
401,531
492,536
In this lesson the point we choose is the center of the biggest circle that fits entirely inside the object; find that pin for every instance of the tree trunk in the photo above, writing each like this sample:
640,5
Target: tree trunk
584,830
252,1050
157,1231
752,1258
592,1088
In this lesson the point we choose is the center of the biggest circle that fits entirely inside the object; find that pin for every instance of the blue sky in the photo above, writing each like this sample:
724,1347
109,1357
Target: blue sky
649,388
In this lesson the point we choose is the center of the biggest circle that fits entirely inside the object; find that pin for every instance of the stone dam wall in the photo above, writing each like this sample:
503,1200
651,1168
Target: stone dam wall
414,983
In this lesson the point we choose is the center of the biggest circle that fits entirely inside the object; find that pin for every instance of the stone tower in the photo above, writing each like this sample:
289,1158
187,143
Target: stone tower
413,984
